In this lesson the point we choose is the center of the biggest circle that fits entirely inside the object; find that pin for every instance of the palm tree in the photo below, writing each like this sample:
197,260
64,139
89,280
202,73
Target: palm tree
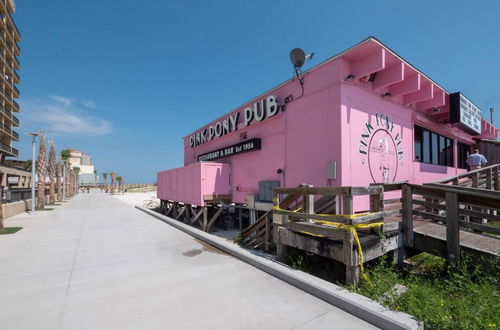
113,177
76,170
104,176
27,165
41,171
65,156
52,172
119,179
59,181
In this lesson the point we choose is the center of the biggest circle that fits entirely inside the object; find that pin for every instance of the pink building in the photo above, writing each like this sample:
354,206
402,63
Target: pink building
363,116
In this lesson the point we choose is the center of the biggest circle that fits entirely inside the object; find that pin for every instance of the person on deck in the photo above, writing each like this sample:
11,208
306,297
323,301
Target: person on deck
476,160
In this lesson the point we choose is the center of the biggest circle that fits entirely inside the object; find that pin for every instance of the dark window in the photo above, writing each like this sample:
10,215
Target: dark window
432,148
449,152
463,151
418,143
426,147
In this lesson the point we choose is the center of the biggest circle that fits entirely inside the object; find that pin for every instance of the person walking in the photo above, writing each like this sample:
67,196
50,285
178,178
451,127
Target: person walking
476,160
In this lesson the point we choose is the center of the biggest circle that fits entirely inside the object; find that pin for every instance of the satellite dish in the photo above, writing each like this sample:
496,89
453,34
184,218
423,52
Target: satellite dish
298,57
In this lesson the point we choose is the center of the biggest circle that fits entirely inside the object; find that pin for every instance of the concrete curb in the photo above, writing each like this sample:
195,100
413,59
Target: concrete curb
358,305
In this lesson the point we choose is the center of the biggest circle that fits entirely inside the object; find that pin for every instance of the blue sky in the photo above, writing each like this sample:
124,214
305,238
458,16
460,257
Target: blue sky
125,80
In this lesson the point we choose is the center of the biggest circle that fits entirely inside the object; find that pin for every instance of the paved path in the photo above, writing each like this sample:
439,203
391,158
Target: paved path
97,263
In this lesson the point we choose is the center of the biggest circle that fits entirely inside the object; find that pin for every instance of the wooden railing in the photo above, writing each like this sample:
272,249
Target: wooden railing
486,178
455,207
260,232
300,203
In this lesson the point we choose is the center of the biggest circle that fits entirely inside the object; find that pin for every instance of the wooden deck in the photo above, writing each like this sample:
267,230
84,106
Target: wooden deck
431,237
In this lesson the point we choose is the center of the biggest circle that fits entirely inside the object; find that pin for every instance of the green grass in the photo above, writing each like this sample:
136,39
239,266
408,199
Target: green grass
465,298
10,230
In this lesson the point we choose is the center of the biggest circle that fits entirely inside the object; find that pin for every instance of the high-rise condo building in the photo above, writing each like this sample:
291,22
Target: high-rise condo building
9,64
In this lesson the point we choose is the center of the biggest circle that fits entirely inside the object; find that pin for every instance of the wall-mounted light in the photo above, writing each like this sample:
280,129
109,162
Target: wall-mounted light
350,77
280,171
386,95
436,110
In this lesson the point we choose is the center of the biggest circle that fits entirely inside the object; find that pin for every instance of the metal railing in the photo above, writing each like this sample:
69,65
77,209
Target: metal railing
16,105
15,120
16,90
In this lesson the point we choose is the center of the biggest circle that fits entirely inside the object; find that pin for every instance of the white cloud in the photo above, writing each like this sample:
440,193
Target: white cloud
63,100
89,104
58,117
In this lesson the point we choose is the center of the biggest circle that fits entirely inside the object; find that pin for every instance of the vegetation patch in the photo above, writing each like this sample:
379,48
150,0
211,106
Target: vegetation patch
444,298
10,230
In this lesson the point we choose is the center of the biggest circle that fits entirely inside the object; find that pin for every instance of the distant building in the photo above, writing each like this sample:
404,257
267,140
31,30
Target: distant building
84,162
9,64
79,158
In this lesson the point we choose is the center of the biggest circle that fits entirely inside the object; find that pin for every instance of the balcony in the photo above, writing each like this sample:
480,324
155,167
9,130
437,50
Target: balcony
16,91
6,113
9,150
15,135
18,35
16,105
15,120
6,148
17,76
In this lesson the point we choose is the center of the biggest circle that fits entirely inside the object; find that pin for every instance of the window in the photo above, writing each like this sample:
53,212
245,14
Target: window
432,148
463,151
418,143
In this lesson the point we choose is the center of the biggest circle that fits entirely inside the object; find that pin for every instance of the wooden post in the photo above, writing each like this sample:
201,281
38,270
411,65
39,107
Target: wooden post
252,216
489,179
452,229
175,210
214,218
268,232
205,218
407,211
337,205
281,249
376,202
475,179
240,219
350,261
347,205
475,184
496,178
308,201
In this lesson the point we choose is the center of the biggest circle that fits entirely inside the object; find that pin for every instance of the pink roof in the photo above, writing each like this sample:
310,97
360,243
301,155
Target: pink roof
397,79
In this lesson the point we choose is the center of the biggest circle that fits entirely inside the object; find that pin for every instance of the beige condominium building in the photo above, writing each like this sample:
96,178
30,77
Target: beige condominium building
9,64
84,162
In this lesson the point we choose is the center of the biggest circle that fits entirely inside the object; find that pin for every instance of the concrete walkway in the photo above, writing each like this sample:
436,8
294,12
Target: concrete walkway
98,263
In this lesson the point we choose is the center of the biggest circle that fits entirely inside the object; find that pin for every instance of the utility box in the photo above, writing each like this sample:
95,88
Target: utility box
194,183
266,190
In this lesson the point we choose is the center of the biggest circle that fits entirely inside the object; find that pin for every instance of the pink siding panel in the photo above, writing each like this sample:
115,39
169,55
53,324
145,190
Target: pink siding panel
190,183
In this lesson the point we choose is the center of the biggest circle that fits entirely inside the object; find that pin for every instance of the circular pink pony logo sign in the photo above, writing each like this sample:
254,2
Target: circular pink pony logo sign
380,147
382,157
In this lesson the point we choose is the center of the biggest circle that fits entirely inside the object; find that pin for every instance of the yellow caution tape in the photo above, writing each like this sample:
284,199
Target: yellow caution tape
348,228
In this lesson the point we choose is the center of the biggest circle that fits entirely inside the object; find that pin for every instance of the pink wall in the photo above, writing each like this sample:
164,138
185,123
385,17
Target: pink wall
288,140
189,184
